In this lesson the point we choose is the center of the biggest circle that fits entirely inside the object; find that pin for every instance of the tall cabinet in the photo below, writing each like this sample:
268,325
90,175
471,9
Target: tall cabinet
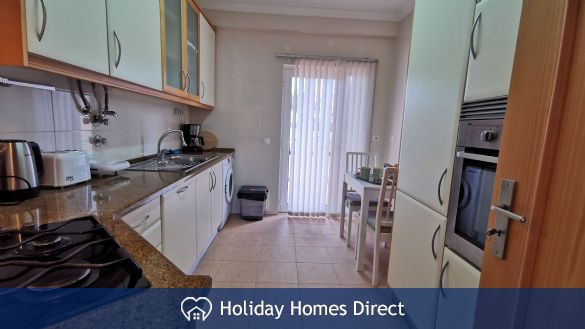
207,88
434,93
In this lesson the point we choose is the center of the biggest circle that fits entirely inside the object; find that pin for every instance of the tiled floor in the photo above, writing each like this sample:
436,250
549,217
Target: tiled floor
288,252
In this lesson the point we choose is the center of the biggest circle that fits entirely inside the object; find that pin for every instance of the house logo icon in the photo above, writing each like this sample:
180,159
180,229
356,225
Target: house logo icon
196,308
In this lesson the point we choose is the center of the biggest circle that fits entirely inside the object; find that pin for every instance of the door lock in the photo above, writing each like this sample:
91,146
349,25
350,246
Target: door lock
503,215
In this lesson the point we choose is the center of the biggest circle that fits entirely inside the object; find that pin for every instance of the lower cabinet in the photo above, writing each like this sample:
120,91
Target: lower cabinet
146,220
456,307
179,225
217,197
416,254
204,182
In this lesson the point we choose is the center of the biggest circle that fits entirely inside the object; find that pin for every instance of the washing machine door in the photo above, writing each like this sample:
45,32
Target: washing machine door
229,185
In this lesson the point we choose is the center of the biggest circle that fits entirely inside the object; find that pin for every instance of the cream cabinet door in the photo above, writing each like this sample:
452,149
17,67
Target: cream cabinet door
434,93
207,58
456,307
217,195
493,48
416,253
70,31
204,183
179,226
135,42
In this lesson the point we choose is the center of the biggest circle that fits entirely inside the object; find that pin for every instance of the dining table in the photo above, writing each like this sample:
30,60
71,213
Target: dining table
368,191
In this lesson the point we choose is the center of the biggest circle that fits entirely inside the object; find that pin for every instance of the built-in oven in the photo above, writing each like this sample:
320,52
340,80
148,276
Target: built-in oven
474,174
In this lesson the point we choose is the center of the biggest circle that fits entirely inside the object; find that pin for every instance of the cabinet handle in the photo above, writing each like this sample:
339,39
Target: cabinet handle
188,82
184,81
214,180
433,242
202,89
475,24
182,189
144,220
44,23
210,182
441,278
117,62
439,186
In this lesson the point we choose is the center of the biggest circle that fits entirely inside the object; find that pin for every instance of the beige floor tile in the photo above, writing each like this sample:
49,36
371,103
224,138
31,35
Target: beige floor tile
306,229
237,271
244,253
333,241
270,239
208,267
347,274
309,240
276,285
232,284
277,272
318,285
216,252
317,273
329,229
281,254
344,255
312,255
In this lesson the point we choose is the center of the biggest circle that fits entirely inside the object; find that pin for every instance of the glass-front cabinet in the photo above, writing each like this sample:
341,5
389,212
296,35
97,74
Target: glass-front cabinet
181,48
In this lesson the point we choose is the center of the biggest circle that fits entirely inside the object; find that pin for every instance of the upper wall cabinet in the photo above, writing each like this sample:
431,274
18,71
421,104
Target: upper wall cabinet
493,45
180,24
207,85
70,31
436,81
134,41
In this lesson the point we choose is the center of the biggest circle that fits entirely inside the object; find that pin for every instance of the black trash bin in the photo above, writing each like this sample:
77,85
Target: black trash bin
252,201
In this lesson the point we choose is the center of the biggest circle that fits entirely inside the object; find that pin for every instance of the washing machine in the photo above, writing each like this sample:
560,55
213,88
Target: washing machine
228,188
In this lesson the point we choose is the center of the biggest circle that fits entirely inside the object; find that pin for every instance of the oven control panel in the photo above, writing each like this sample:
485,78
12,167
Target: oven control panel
484,134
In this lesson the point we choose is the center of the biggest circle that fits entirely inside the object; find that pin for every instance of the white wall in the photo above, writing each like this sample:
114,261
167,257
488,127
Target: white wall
394,117
52,119
249,83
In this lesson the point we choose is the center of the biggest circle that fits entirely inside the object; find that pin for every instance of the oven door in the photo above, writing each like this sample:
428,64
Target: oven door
469,206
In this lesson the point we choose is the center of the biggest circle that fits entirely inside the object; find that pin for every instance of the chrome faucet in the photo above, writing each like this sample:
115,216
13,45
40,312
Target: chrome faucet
161,153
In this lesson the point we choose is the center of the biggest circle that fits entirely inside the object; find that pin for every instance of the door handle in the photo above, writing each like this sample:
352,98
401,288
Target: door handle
439,186
441,278
475,24
119,57
503,214
433,242
44,23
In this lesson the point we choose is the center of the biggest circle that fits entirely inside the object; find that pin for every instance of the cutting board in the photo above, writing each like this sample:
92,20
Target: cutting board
210,140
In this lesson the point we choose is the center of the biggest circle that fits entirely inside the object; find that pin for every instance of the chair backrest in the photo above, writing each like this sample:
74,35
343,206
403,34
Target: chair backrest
356,160
389,184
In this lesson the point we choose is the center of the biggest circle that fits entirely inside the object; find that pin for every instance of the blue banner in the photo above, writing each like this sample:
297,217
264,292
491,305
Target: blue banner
293,308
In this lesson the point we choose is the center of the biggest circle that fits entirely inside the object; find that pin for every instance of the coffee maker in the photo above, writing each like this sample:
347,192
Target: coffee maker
194,141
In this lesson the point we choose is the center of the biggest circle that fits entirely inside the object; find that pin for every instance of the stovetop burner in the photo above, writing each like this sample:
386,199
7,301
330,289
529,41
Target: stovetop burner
77,253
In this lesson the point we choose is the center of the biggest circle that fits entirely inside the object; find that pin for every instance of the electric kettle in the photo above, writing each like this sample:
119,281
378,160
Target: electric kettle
21,165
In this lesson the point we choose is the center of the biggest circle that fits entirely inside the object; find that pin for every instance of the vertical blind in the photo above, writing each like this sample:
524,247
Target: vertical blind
331,113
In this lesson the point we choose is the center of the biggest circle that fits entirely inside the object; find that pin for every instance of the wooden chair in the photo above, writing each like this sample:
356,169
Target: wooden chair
380,221
353,203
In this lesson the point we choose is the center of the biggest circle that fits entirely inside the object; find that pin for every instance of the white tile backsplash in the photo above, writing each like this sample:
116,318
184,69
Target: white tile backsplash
53,120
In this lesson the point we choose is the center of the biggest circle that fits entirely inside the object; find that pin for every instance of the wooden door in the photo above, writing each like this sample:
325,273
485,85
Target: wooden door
542,150
70,31
135,43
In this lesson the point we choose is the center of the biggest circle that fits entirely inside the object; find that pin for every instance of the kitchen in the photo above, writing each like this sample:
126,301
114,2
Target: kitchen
169,114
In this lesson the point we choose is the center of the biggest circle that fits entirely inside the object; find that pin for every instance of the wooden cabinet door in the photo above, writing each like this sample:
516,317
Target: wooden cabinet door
217,198
456,307
174,76
207,63
416,252
134,41
434,93
70,31
494,45
179,226
192,49
204,183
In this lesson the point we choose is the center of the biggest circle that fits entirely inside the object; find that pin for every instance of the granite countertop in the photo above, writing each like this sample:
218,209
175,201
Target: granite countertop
108,199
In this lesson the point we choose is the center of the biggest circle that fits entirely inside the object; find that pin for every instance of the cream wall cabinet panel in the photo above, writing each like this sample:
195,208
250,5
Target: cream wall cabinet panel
217,195
70,31
436,80
134,41
494,44
207,57
204,183
416,253
179,226
456,307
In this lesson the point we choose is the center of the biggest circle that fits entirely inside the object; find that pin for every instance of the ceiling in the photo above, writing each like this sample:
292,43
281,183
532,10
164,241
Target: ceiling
382,10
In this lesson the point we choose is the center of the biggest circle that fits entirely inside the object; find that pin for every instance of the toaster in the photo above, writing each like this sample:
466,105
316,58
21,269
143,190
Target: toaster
65,168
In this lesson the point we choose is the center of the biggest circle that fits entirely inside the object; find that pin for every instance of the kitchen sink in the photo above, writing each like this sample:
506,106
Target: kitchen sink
173,163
